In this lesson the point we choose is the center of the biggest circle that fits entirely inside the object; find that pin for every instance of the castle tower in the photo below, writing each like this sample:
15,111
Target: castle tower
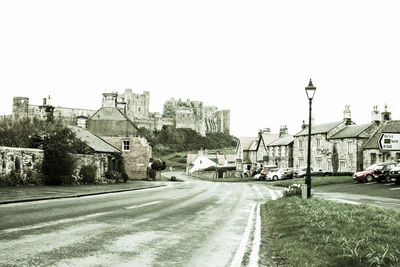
227,121
46,110
20,107
110,100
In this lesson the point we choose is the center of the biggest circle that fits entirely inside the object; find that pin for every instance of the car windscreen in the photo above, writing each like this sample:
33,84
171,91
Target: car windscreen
379,167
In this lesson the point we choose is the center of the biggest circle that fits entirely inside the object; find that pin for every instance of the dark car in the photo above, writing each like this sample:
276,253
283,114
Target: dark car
314,172
394,174
381,172
367,175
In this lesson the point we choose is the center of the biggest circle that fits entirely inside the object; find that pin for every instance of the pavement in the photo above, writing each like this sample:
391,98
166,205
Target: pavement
20,194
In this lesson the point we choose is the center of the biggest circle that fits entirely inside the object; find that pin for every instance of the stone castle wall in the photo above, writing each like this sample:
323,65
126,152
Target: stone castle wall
177,113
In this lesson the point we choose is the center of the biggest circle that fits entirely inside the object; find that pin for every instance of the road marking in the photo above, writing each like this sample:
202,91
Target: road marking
279,193
390,203
143,205
224,197
397,188
180,196
255,250
258,191
370,183
272,193
344,201
51,223
237,259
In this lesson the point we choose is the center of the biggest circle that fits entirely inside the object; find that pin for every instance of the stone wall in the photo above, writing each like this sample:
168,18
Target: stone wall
31,159
136,158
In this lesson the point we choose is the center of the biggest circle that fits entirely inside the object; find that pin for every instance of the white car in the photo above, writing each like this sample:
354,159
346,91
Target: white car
278,174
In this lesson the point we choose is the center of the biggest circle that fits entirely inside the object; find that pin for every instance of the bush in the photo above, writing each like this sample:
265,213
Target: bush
173,178
343,174
113,176
152,173
88,174
292,190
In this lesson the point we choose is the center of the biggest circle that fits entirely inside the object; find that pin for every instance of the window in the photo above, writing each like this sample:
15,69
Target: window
349,147
301,144
373,158
342,166
318,143
126,145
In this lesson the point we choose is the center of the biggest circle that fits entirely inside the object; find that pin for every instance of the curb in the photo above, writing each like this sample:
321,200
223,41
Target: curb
79,195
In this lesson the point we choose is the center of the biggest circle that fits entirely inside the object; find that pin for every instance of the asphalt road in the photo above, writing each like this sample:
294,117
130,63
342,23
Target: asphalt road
382,195
194,223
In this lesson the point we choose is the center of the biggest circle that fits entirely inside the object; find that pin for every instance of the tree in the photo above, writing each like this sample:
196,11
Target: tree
335,159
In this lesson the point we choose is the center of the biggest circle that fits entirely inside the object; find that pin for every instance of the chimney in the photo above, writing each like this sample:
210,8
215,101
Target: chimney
260,132
110,100
283,131
304,125
347,115
266,130
44,101
375,115
386,115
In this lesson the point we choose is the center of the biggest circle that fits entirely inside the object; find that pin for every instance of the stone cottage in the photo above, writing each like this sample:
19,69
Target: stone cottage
280,152
265,138
113,126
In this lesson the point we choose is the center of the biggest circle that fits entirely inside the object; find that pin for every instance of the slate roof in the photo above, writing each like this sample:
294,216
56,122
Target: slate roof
247,142
389,126
269,138
283,141
352,131
112,113
93,141
190,158
222,159
320,128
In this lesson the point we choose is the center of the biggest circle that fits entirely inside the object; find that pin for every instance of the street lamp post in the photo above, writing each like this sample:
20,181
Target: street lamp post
310,91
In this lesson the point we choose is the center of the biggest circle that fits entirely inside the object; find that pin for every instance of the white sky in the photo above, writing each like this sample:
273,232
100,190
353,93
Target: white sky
252,57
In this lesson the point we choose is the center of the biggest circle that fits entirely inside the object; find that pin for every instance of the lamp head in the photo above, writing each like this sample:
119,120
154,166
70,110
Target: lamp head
310,90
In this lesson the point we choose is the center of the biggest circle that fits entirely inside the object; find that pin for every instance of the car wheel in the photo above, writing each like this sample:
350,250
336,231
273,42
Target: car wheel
275,178
387,178
369,178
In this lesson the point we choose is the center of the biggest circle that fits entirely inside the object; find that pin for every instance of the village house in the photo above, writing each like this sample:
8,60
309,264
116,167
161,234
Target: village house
112,125
320,145
265,137
372,154
245,151
225,163
280,151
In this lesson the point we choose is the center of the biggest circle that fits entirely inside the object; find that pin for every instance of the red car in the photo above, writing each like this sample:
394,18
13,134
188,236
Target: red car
367,175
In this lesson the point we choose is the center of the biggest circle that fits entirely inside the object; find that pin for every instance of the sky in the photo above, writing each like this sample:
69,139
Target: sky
252,57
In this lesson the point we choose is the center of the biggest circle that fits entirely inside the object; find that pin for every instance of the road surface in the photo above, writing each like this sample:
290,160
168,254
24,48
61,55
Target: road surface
194,223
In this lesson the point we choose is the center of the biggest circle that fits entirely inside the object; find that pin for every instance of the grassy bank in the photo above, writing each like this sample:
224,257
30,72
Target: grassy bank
316,232
315,181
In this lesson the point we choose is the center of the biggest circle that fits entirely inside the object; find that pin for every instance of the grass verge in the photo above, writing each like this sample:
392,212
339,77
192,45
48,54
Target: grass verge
232,180
316,232
315,181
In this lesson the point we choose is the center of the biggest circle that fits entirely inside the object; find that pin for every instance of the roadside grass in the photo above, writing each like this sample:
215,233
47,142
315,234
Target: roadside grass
315,180
231,180
317,232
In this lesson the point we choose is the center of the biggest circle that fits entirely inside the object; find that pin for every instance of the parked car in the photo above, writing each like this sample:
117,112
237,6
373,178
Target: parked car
367,175
314,172
394,174
279,174
263,174
381,172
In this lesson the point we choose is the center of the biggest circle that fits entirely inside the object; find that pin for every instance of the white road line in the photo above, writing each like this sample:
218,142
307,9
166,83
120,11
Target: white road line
40,225
255,250
279,193
179,196
344,201
272,193
237,259
143,205
397,188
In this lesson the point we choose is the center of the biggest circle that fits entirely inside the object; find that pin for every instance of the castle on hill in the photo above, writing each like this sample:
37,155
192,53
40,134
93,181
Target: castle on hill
176,113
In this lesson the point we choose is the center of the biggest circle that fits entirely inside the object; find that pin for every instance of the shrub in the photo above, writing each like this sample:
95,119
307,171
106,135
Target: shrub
152,173
173,178
113,176
292,190
88,174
